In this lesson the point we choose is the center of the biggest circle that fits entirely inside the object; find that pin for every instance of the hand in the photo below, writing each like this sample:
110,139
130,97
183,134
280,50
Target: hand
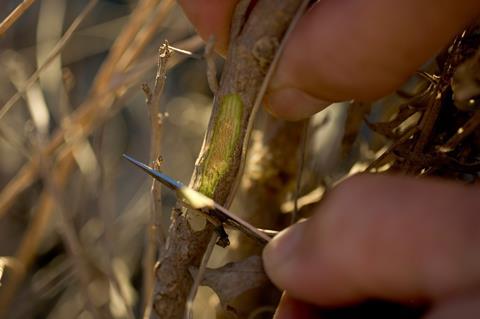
385,237
348,49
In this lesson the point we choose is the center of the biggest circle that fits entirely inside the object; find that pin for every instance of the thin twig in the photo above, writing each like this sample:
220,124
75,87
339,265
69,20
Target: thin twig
14,15
301,163
199,276
154,233
430,116
16,68
50,58
186,52
402,139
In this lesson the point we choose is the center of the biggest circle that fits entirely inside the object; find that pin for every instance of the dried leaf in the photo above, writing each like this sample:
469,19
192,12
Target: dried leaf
235,278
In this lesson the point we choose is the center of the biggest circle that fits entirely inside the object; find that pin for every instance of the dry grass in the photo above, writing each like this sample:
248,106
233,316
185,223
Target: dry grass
15,15
122,70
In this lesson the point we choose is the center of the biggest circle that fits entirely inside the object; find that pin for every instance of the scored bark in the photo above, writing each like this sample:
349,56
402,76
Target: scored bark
252,48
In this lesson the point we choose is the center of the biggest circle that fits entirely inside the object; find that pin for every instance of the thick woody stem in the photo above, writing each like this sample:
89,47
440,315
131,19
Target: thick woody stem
253,45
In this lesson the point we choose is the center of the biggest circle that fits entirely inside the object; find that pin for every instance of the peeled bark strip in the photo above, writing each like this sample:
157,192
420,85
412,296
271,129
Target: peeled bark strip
252,48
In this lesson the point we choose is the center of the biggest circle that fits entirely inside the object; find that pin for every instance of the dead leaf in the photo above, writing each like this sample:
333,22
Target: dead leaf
235,278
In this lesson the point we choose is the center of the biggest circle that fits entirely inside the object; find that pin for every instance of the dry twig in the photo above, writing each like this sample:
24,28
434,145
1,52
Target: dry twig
430,116
154,233
14,15
402,139
301,163
467,129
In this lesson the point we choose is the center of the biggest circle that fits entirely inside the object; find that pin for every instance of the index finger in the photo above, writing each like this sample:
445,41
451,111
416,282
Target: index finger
211,17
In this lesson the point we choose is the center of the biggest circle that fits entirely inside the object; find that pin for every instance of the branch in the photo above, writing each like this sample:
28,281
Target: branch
253,46
14,16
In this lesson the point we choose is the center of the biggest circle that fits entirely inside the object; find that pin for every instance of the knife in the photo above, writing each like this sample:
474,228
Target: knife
215,212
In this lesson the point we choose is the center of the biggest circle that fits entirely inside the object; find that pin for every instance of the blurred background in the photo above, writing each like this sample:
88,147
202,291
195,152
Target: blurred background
87,233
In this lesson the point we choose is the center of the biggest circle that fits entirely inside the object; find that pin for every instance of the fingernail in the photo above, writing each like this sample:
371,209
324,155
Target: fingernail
293,104
279,253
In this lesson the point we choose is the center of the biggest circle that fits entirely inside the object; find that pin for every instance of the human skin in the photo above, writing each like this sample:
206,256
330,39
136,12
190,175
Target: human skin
348,49
382,237
386,237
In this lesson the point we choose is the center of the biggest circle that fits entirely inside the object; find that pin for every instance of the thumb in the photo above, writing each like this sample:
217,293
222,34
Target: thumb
381,237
